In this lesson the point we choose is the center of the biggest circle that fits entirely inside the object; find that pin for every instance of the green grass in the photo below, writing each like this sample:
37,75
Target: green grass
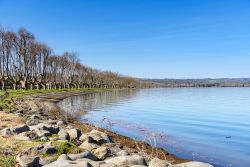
63,148
7,161
20,94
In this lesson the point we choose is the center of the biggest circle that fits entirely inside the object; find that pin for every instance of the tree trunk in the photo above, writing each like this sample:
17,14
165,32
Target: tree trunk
14,86
3,85
31,86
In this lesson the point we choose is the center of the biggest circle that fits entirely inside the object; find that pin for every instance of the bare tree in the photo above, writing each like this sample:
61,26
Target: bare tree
26,63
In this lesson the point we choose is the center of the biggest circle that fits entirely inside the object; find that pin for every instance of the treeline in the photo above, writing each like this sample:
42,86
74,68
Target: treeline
221,82
26,63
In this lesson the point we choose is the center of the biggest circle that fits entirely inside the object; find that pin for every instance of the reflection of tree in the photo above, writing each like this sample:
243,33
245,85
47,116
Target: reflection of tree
78,105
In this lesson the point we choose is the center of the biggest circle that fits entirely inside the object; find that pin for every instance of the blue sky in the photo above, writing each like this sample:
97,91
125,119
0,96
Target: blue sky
142,38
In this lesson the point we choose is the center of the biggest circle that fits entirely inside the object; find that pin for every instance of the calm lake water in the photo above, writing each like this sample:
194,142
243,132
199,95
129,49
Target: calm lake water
205,124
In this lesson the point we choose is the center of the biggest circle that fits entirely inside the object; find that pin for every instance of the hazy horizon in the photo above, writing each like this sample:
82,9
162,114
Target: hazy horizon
184,39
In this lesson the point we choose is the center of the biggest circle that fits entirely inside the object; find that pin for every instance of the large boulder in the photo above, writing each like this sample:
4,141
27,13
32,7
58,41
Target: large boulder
127,161
65,161
192,164
158,162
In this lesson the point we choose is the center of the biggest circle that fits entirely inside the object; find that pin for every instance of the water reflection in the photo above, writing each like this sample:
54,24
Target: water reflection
191,123
77,106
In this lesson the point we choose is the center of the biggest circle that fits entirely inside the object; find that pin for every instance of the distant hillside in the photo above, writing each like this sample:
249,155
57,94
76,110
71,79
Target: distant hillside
207,82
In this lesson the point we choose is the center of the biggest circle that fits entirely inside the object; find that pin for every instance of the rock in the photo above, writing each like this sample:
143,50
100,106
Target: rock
61,123
34,116
46,160
83,137
64,136
52,122
30,135
101,152
43,133
19,114
122,153
20,128
92,163
47,127
6,132
114,149
22,137
126,161
99,137
192,164
63,157
32,122
62,130
86,154
42,149
141,166
44,139
28,161
65,161
107,165
87,146
74,133
19,111
158,162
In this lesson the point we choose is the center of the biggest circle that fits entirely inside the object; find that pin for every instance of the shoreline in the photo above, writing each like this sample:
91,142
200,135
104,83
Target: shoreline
124,140
49,102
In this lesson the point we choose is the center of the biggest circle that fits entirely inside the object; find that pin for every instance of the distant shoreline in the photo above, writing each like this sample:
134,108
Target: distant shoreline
220,82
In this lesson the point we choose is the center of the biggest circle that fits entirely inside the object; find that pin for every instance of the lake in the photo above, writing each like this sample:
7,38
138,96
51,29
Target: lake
206,124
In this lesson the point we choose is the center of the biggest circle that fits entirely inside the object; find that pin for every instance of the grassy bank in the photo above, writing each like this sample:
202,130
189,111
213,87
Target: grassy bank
9,147
7,102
